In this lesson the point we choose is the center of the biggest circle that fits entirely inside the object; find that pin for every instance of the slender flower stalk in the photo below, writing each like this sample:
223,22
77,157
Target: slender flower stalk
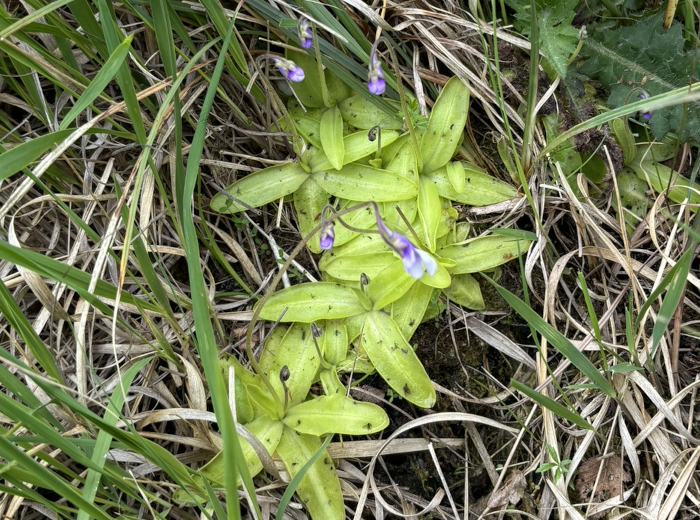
305,36
375,78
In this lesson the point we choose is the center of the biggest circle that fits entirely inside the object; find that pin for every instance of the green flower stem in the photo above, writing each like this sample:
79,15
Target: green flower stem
402,95
319,64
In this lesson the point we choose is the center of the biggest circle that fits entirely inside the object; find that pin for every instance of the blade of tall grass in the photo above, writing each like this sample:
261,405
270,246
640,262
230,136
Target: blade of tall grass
678,96
557,340
99,82
32,17
104,439
16,318
19,157
552,406
201,307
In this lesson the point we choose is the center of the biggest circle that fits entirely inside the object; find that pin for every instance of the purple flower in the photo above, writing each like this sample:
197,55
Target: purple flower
305,34
375,78
646,114
326,236
414,260
289,69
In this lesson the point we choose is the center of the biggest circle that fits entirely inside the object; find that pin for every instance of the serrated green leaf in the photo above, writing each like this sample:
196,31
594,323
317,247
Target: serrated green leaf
445,126
336,414
260,188
481,189
319,489
648,55
332,137
557,38
309,201
484,253
298,353
309,302
395,359
355,181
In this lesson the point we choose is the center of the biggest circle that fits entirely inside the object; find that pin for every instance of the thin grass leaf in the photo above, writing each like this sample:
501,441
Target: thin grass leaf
557,339
104,439
206,342
99,82
552,406
37,14
676,287
18,320
19,157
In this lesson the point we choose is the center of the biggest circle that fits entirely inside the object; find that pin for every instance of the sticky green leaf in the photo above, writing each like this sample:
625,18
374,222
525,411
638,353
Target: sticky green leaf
336,414
350,267
408,311
356,145
484,253
309,90
332,137
661,177
266,430
389,285
362,113
455,172
480,189
309,302
445,126
466,292
319,489
309,201
395,359
355,181
259,188
625,138
335,341
298,353
440,279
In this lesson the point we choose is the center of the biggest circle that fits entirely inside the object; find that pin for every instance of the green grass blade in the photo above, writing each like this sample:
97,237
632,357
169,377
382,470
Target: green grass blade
36,15
16,318
557,339
206,342
104,439
99,82
676,288
551,405
19,157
